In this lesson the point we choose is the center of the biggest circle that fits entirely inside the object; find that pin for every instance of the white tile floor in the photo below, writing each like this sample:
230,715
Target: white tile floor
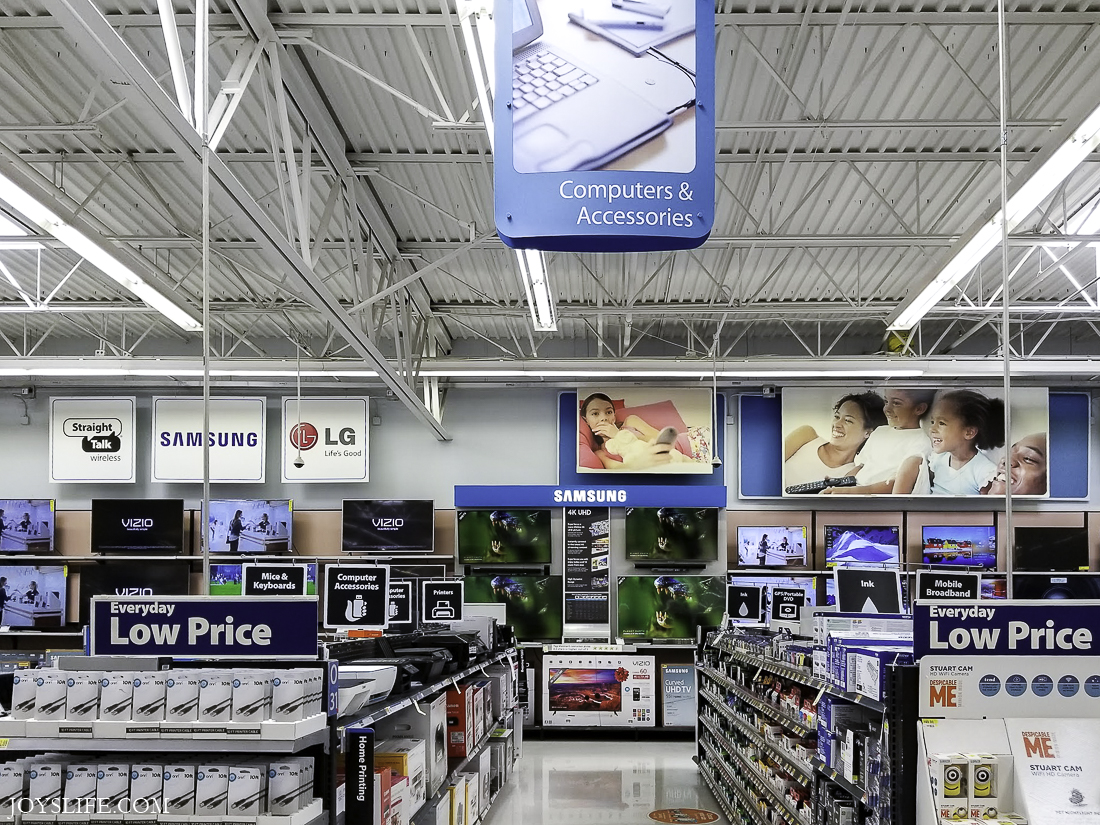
584,782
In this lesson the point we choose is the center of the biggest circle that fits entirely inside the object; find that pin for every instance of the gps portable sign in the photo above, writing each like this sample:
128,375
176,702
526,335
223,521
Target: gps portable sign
1016,628
205,627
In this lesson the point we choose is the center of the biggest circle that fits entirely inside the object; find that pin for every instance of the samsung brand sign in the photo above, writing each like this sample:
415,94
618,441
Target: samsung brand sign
215,439
590,496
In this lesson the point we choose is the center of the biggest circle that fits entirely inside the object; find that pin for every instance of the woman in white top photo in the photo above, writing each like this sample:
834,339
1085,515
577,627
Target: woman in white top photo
809,457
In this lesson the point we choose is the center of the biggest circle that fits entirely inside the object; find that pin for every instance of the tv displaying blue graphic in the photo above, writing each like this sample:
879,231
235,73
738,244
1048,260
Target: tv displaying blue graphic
862,546
960,545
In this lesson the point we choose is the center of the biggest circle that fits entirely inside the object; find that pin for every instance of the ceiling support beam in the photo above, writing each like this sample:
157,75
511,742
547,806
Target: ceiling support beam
100,41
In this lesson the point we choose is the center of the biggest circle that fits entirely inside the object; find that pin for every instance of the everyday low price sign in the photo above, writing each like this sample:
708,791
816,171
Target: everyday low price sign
1016,628
205,627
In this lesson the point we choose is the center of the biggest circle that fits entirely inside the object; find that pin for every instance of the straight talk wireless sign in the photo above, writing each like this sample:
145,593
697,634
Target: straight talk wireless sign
92,440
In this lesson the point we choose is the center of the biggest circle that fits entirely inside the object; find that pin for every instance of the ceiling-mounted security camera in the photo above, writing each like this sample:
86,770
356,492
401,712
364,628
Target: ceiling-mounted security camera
716,462
299,462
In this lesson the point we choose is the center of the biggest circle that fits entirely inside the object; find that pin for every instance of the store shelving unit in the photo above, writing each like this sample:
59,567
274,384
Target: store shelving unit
396,704
897,710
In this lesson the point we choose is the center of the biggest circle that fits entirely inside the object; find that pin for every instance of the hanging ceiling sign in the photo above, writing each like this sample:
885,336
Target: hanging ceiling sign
604,125
237,438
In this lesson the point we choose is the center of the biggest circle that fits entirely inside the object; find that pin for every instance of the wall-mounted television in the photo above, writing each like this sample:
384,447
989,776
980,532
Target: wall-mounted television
137,526
669,607
1056,587
250,525
807,584
533,603
771,546
162,578
862,546
388,526
26,525
504,536
672,534
960,545
33,596
1054,549
228,579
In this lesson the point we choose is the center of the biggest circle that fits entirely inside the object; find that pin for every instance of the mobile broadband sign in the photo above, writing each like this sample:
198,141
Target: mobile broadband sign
205,627
1014,628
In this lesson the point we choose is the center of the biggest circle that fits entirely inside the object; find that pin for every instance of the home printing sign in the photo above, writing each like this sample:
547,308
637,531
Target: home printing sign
205,627
92,440
237,439
1015,628
325,440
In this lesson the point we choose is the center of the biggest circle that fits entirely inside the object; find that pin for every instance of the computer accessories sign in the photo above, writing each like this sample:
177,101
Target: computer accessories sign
92,440
604,125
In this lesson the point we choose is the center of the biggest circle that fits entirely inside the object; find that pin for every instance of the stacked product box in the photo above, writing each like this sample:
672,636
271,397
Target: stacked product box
973,787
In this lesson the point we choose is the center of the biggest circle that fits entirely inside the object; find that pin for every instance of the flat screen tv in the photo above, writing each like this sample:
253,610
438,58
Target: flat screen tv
771,546
250,525
669,607
26,525
34,596
533,604
994,587
137,526
960,545
162,578
672,534
1056,587
808,584
388,526
862,546
584,689
228,579
1054,549
504,536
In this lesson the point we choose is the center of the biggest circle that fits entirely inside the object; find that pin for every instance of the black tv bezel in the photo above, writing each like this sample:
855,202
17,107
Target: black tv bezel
386,551
807,556
490,564
826,544
641,560
159,552
1083,531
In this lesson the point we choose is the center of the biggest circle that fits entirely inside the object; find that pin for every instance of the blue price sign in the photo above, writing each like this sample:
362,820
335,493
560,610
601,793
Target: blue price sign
205,627
1016,628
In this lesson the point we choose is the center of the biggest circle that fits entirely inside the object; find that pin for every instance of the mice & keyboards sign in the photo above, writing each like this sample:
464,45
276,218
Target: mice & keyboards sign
604,125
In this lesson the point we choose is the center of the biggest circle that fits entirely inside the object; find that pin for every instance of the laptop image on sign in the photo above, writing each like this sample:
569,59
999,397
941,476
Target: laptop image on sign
565,115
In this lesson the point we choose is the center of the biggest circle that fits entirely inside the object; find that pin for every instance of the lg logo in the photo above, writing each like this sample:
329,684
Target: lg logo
304,436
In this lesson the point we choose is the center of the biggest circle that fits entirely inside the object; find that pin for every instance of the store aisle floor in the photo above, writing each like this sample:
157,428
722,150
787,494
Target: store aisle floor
584,782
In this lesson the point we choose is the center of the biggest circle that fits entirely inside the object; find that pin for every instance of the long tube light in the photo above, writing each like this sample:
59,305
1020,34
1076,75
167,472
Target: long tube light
94,251
1050,169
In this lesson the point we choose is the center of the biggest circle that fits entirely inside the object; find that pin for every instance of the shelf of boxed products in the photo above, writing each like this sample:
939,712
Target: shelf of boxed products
833,775
176,710
723,795
797,674
762,785
802,770
409,699
740,786
769,710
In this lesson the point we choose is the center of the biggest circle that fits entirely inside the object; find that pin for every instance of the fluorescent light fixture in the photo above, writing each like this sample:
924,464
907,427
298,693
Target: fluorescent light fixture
532,269
94,251
1042,177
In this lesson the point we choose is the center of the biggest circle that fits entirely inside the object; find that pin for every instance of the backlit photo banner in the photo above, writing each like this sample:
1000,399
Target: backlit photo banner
644,430
237,438
324,440
914,441
604,124
92,440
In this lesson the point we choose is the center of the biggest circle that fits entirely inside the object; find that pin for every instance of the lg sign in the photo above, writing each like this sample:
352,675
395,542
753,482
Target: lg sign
304,436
